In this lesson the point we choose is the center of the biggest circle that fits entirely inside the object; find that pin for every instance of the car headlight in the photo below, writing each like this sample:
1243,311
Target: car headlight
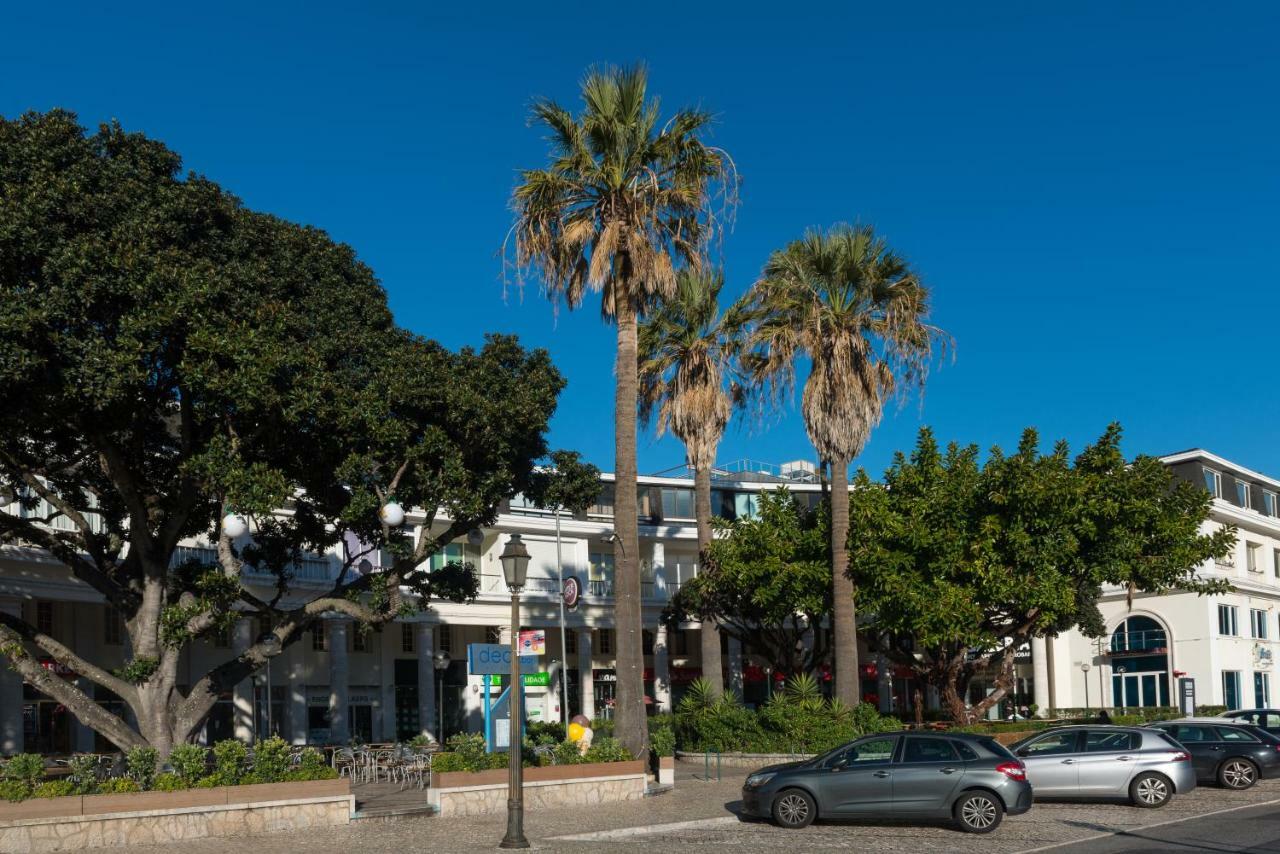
755,781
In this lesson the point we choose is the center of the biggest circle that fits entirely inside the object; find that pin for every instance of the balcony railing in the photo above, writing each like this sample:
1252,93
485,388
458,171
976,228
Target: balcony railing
311,568
1146,642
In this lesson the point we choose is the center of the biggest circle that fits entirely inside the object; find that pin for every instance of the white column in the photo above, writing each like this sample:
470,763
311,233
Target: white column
11,739
339,732
661,670
807,641
242,695
585,678
425,645
297,710
884,683
387,678
735,666
659,570
1040,676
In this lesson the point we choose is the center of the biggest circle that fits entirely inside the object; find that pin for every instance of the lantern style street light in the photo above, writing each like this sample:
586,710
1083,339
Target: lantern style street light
1084,668
270,645
515,567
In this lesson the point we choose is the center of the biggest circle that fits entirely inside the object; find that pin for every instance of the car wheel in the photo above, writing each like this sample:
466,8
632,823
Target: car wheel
978,812
1150,791
794,808
1238,774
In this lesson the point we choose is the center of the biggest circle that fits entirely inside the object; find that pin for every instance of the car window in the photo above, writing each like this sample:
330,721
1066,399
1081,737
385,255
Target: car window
875,751
966,752
1230,733
1245,717
1271,720
1052,744
997,748
928,750
1102,741
1170,740
1188,734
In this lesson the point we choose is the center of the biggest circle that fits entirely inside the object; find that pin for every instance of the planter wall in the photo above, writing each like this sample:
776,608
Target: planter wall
666,771
92,821
485,792
743,760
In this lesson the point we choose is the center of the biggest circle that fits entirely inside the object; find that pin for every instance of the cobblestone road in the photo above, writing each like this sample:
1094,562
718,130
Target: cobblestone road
706,811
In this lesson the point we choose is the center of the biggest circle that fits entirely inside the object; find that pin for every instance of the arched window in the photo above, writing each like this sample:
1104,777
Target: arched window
1139,663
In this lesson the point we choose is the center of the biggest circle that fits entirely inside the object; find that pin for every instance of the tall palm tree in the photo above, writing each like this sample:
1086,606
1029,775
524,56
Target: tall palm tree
624,202
686,353
856,311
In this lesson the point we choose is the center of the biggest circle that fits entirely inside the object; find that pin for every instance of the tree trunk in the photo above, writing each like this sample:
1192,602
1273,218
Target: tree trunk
631,723
844,619
712,664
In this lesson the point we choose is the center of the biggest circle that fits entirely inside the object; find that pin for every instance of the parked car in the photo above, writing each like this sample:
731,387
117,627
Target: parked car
1268,719
1235,755
1144,765
970,778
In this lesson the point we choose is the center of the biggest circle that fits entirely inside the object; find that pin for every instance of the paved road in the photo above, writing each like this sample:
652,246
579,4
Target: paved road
1250,831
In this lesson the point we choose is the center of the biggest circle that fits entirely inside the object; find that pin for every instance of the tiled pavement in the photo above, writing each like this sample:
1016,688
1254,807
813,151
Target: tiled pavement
706,811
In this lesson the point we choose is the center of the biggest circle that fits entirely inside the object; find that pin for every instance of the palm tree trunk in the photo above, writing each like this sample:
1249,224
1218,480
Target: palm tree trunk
630,722
843,617
712,665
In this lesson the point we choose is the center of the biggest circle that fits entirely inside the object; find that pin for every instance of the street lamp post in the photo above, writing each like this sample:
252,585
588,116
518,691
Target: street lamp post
442,660
515,564
270,649
1084,666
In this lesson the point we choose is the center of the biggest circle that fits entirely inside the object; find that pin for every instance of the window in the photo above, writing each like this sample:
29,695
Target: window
1187,734
1244,495
646,642
928,750
451,553
406,637
1104,741
44,617
1270,503
606,641
1227,624
967,753
1253,557
1257,623
1052,745
359,639
446,639
677,503
112,627
1230,689
1262,690
873,751
1230,733
222,639
681,642
318,638
1213,483
571,642
1275,562
746,505
604,501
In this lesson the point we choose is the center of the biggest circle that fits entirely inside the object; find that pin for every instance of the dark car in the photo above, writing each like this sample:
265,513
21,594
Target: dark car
1268,719
969,778
1235,755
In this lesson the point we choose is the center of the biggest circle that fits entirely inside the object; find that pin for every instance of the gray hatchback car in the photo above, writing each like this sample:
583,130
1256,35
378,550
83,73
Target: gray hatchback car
969,778
1144,765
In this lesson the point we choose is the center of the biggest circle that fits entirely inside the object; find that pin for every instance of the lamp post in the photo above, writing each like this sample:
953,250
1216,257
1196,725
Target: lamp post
1084,666
270,649
442,661
515,564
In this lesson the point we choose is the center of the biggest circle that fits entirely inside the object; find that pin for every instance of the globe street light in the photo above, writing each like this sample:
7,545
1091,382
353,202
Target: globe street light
1084,666
442,661
515,566
270,648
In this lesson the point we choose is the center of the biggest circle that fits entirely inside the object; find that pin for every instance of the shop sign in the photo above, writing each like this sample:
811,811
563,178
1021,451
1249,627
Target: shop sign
572,592
533,642
492,659
604,676
528,680
58,668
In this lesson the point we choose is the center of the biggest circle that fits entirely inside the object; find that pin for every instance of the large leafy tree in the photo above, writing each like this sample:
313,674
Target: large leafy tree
971,560
767,582
856,311
687,347
626,199
166,354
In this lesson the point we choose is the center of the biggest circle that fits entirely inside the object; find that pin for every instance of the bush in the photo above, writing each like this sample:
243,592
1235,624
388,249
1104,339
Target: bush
229,759
54,789
311,763
545,732
663,742
118,786
190,762
607,749
14,790
445,762
270,760
1205,711
26,769
303,775
84,774
142,763
169,783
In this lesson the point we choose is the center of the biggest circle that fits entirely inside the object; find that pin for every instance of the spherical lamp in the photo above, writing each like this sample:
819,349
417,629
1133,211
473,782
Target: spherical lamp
392,514
234,525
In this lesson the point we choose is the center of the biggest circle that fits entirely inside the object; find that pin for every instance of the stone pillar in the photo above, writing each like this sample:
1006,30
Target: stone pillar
387,679
735,666
339,732
659,570
425,645
297,709
585,677
1040,676
11,737
661,670
242,694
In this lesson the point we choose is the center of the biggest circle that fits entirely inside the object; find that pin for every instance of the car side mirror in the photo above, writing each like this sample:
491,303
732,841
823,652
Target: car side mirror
840,764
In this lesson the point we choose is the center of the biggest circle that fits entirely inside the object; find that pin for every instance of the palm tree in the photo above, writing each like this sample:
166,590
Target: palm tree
856,311
686,350
624,201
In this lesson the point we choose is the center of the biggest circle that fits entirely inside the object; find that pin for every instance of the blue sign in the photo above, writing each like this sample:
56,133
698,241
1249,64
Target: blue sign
494,659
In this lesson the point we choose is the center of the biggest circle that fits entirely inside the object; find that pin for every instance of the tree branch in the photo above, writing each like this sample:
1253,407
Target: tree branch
18,630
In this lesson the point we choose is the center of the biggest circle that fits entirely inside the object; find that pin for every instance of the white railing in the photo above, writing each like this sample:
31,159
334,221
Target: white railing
310,568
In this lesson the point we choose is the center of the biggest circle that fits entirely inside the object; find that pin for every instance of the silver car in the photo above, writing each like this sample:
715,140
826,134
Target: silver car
1144,765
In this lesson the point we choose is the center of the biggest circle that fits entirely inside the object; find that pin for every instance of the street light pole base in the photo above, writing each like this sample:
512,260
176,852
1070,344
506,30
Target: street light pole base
515,826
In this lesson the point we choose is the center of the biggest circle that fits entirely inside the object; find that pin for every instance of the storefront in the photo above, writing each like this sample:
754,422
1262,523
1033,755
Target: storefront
606,690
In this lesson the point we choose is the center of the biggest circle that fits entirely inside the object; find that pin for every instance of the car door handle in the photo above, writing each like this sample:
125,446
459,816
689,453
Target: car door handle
1068,762
948,770
1124,758
881,774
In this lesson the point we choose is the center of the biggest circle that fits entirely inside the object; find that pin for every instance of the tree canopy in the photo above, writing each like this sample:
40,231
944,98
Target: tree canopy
971,559
567,483
167,354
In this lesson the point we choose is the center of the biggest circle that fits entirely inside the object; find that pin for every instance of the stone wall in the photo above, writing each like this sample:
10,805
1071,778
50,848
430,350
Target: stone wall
492,797
66,833
741,760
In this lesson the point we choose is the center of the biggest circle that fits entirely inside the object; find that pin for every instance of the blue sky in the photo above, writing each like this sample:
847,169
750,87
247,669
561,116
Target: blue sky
1088,188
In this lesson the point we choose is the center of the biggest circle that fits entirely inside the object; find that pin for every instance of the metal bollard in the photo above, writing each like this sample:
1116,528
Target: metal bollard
706,766
717,766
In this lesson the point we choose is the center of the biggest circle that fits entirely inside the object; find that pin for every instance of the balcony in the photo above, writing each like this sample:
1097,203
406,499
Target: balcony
1149,642
308,568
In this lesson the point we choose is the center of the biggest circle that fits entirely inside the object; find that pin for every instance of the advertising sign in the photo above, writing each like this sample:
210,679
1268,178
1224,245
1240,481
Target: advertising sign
572,592
528,680
533,642
491,659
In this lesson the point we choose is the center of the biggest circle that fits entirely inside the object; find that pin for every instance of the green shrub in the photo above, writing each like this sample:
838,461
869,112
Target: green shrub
270,760
14,790
303,775
545,732
229,760
142,763
54,789
445,762
190,762
169,783
567,753
1204,711
663,742
311,763
601,726
118,786
84,773
607,749
25,768
207,782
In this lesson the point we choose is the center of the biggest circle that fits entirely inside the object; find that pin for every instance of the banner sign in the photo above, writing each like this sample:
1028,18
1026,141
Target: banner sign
528,680
491,659
533,642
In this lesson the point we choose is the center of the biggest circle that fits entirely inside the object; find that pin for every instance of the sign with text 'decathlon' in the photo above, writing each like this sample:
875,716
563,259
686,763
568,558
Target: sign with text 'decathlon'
494,659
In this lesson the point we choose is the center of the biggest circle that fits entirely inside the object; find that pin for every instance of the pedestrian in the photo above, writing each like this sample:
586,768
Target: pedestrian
1103,717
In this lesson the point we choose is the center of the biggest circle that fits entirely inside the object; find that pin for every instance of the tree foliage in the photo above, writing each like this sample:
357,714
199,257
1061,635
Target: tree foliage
971,560
767,582
567,483
166,354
